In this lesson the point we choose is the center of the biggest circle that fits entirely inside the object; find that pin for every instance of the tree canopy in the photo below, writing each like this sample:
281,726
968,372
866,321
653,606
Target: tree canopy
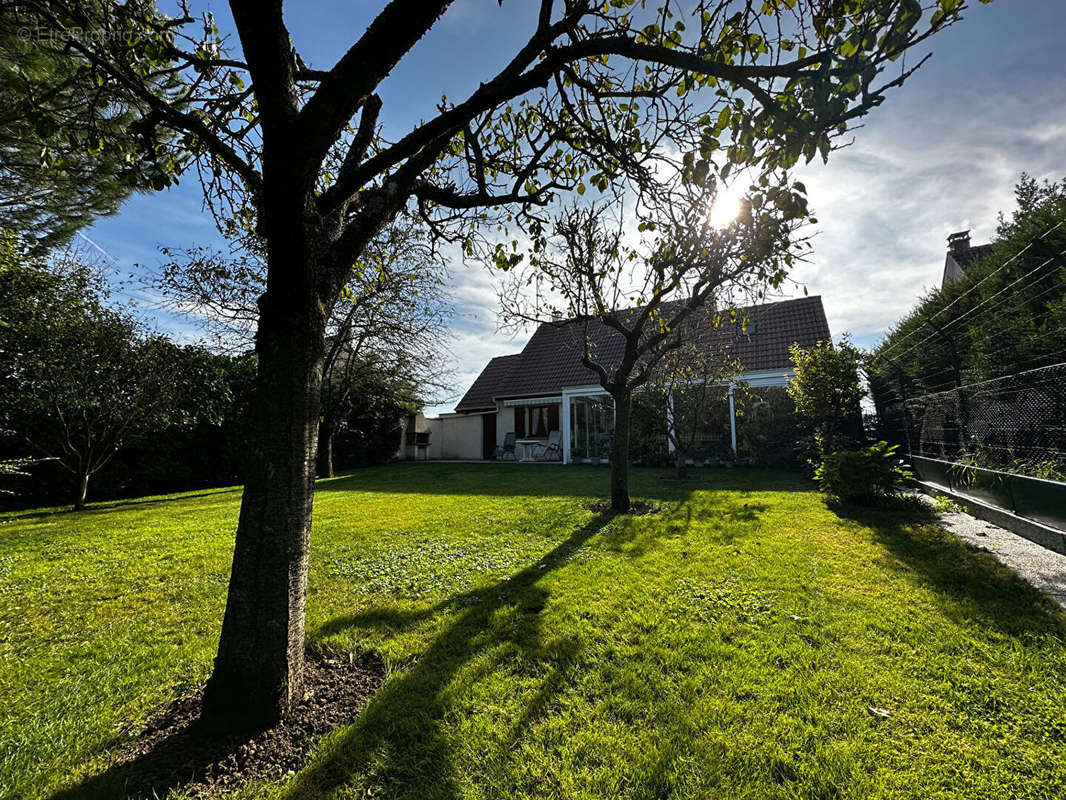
827,392
1005,315
83,379
70,148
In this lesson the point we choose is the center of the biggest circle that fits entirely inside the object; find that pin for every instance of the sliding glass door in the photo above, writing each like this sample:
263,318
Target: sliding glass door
591,428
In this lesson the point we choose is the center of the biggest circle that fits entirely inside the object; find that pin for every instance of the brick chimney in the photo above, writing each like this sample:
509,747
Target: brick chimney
959,242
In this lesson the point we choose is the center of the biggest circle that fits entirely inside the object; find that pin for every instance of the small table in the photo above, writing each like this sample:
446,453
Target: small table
525,448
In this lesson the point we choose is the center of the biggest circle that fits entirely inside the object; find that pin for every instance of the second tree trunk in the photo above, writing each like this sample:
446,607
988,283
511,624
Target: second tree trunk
620,452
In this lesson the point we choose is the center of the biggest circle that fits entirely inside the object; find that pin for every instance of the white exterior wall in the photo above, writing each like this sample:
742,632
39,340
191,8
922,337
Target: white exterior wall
436,438
461,437
504,422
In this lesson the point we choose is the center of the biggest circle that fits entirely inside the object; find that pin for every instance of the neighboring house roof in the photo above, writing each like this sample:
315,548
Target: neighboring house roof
551,360
977,251
960,256
481,393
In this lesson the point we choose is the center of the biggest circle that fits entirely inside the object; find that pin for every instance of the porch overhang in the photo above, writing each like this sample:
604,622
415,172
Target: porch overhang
533,401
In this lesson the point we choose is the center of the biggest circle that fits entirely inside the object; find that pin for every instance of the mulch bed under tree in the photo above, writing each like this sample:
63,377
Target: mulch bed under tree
175,751
638,508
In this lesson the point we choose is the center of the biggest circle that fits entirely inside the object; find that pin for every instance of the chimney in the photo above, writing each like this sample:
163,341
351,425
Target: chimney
959,242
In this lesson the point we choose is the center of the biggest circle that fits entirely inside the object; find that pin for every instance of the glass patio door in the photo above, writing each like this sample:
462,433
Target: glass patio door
591,428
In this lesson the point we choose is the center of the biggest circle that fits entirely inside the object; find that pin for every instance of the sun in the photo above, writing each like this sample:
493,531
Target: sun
725,207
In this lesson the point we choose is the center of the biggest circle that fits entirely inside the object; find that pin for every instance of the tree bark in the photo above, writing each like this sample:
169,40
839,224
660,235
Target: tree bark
258,673
623,402
679,464
325,438
81,492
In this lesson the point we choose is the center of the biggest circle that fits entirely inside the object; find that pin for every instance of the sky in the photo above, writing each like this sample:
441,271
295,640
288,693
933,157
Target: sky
941,155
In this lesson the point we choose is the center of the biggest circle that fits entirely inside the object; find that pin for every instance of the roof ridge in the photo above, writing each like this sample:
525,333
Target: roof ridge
562,323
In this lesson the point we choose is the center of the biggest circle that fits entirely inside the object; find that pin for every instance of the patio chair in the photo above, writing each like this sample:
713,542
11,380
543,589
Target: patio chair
552,450
507,449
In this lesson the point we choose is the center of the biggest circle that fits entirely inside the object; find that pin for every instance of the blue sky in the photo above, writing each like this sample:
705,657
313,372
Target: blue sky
941,155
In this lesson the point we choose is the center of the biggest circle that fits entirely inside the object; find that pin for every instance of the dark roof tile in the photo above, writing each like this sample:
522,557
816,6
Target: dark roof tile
966,257
481,393
551,360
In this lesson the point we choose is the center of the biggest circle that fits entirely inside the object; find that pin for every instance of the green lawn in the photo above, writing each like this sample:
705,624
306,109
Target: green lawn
730,646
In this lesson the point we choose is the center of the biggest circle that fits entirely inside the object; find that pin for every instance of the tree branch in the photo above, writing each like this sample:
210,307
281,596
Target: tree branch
358,73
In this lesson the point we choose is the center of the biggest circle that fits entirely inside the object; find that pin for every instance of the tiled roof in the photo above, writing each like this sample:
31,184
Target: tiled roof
967,257
481,393
551,360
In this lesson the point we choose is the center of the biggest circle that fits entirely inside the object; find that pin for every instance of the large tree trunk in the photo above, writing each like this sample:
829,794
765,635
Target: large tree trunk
81,491
258,674
623,402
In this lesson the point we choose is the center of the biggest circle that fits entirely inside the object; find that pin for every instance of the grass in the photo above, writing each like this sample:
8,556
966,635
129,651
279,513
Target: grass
746,641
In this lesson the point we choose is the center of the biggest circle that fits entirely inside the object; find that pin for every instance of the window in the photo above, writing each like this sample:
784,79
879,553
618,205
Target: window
537,421
746,330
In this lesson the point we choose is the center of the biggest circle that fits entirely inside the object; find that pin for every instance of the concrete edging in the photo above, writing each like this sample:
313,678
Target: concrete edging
1043,535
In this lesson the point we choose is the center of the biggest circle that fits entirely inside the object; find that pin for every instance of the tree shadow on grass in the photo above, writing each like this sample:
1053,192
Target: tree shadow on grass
110,505
972,581
637,536
398,738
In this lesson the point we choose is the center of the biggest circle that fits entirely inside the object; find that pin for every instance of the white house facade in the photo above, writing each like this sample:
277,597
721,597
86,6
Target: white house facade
543,404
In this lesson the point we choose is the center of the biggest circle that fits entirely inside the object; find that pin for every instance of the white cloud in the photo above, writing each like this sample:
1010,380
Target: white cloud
887,203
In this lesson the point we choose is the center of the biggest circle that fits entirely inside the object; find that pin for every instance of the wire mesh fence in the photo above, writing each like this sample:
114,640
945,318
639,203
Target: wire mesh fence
1015,423
977,374
972,385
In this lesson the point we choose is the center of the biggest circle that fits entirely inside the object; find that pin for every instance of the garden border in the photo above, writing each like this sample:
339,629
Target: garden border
1043,535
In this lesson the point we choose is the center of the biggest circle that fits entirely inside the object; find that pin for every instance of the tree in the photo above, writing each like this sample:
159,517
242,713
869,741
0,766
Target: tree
84,378
602,94
370,429
56,174
1005,315
361,373
392,317
650,298
827,394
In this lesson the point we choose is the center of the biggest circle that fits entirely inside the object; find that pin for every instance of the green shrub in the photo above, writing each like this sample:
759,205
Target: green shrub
862,475
827,393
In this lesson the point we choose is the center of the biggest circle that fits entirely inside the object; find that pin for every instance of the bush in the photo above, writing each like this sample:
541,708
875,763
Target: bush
827,393
864,475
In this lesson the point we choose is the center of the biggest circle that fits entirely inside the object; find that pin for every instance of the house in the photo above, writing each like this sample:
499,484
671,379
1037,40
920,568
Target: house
546,388
960,256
